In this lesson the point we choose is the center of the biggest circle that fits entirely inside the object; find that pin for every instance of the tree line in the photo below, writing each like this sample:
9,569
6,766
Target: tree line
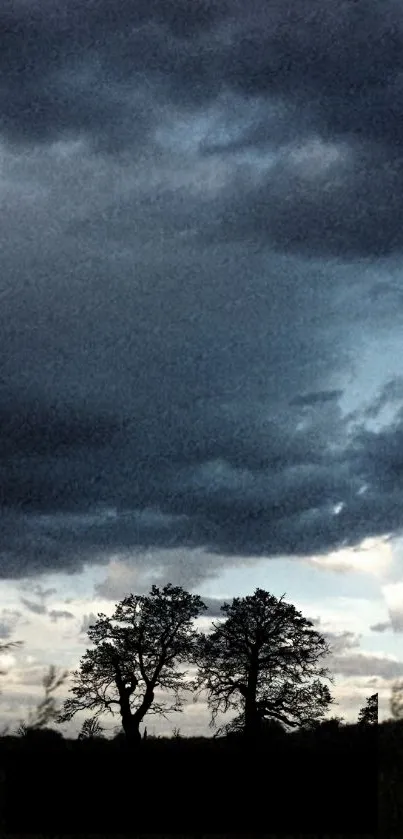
263,660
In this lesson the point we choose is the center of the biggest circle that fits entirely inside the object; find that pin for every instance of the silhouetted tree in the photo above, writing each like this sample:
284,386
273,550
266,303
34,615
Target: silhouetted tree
369,713
153,635
262,658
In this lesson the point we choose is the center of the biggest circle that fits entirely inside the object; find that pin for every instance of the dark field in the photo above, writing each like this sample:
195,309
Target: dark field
191,787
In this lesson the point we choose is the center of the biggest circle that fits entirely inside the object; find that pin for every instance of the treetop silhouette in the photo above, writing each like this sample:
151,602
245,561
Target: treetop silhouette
262,660
369,713
136,651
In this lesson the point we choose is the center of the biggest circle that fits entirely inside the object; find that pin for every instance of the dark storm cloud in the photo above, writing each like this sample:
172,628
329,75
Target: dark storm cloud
284,503
341,60
307,204
85,69
282,76
47,451
391,396
164,411
171,364
378,456
386,292
318,398
38,429
175,465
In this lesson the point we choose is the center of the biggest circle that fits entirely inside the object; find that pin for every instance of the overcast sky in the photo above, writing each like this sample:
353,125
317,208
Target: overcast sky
201,316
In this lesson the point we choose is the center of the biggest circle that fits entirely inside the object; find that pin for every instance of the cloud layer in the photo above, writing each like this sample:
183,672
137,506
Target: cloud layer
192,200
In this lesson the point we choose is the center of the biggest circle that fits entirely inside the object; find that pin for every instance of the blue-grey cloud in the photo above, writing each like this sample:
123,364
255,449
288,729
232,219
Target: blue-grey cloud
330,71
316,398
190,195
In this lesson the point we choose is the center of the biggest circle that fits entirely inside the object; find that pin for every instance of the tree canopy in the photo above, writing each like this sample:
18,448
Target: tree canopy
137,650
262,660
369,713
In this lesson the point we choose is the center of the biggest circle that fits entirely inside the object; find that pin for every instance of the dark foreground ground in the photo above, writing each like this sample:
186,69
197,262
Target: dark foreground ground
197,836
192,788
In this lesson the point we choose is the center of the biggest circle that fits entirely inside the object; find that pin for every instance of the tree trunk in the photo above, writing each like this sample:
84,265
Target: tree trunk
145,706
131,728
252,717
131,721
252,720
